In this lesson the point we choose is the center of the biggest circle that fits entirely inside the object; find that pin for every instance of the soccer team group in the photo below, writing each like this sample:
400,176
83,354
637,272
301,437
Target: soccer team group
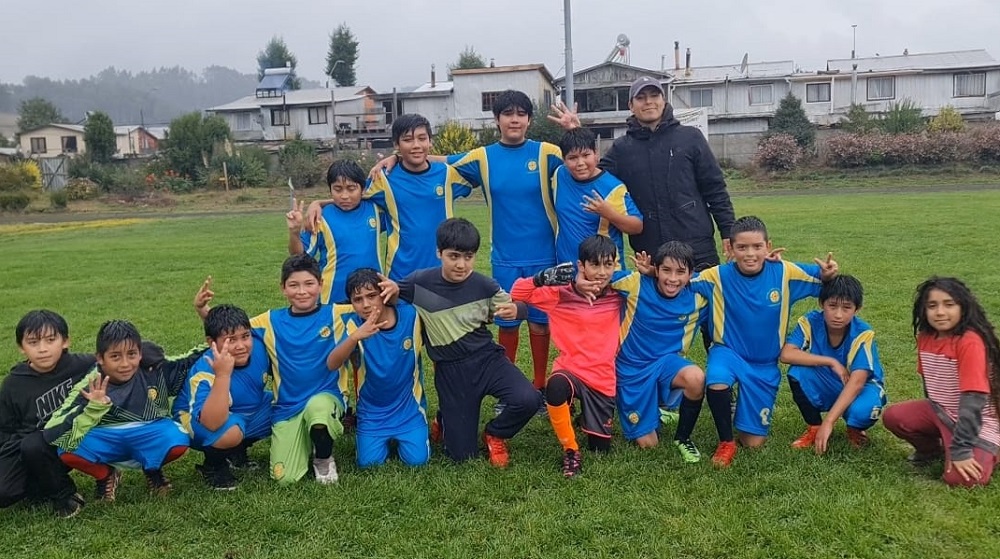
360,315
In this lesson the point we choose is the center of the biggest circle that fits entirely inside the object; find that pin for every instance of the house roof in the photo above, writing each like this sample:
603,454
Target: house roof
755,70
158,132
929,61
505,69
663,74
71,127
314,96
126,129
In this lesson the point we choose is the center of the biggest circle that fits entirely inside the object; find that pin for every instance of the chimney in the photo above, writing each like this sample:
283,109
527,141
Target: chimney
687,62
433,77
492,64
677,56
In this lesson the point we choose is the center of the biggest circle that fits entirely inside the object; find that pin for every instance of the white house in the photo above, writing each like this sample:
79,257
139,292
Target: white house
434,100
52,140
134,141
475,90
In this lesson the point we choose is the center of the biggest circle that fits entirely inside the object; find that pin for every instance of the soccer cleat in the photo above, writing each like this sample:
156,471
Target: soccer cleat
239,459
496,449
857,437
220,478
669,417
689,453
325,470
807,439
107,488
157,483
724,454
68,507
437,434
571,465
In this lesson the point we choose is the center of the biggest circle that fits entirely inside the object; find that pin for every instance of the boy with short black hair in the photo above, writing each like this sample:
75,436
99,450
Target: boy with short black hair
588,200
751,299
29,466
835,367
455,304
224,404
584,318
346,234
386,341
120,413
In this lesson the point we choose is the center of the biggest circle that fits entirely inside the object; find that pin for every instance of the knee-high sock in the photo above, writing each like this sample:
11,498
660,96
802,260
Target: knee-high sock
808,411
322,442
509,338
539,357
562,424
689,412
92,469
720,402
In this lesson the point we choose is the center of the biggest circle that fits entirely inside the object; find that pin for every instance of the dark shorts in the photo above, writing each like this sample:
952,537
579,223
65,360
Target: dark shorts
596,409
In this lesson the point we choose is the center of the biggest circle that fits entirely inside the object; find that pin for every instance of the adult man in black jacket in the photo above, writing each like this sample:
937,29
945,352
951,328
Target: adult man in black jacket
671,174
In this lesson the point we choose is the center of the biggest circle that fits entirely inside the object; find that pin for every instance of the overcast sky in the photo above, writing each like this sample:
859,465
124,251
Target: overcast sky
400,39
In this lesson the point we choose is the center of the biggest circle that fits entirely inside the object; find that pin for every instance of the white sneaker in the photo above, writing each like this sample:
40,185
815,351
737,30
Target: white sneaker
325,470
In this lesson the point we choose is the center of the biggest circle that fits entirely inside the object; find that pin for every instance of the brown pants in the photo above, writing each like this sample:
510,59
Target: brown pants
915,422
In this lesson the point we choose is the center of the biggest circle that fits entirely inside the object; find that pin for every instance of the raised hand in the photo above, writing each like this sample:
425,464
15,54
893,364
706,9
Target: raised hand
369,327
828,268
560,114
588,288
203,297
389,289
595,203
561,274
644,263
775,254
221,361
97,389
294,217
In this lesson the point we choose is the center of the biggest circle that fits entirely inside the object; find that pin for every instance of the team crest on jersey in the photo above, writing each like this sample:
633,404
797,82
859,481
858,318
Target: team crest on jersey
152,393
532,166
439,190
773,296
407,344
279,470
371,222
325,332
633,418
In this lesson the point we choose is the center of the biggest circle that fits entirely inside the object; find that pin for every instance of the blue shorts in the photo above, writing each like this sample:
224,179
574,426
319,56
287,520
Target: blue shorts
641,391
758,388
256,425
413,446
144,445
506,276
822,387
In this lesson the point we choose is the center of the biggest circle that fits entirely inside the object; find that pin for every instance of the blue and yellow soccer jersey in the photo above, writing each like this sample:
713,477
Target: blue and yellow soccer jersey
298,345
654,325
391,396
416,204
344,242
516,182
749,314
247,388
576,223
857,352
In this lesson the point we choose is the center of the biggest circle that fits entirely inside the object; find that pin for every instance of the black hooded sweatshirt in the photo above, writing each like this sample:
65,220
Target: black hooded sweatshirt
28,398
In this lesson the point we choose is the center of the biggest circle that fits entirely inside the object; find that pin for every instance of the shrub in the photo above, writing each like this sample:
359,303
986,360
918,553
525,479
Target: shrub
858,120
14,201
59,199
31,170
487,135
778,152
171,181
904,117
985,142
81,189
16,177
791,119
947,120
298,161
854,150
453,137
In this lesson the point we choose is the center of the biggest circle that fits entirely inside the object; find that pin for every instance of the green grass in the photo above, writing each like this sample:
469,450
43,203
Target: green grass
773,502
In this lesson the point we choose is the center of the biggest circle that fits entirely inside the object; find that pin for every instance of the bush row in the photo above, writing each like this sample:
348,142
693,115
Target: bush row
980,145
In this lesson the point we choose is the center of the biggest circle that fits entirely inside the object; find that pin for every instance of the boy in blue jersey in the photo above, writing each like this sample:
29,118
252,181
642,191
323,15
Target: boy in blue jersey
224,404
658,326
386,342
308,398
835,367
588,200
455,304
345,237
751,299
119,413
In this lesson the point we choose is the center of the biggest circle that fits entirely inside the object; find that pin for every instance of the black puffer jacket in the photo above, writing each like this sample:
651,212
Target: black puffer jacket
675,182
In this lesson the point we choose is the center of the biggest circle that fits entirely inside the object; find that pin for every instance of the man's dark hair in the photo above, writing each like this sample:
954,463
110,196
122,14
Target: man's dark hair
299,263
748,224
347,169
40,323
362,277
225,320
596,249
577,139
114,332
457,233
843,287
675,250
515,99
408,123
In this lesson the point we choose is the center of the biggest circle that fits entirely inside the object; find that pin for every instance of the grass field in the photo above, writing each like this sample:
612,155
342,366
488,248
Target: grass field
773,502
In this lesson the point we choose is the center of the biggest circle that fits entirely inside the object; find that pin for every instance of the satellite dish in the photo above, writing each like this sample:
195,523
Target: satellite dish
623,40
745,64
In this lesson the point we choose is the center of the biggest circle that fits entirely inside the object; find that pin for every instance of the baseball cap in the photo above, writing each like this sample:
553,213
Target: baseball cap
642,82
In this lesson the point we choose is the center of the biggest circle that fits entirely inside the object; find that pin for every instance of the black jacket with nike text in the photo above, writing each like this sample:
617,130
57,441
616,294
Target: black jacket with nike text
28,398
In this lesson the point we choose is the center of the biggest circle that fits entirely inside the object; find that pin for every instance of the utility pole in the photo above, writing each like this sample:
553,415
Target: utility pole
854,39
568,24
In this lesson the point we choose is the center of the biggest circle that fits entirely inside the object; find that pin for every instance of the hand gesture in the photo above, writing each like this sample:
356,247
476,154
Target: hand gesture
313,214
727,249
383,165
822,438
203,297
97,389
369,328
588,288
560,274
775,254
221,361
389,289
828,268
294,217
969,469
560,114
506,311
595,203
644,263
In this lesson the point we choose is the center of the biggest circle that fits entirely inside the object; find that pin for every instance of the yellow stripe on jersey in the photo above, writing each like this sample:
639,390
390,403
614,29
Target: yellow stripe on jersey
263,322
451,178
545,180
807,333
617,200
630,283
193,383
862,343
711,275
791,273
418,387
692,323
381,184
344,380
331,260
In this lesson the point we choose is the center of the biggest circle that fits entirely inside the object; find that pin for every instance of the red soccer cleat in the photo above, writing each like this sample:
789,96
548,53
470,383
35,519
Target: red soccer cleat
724,454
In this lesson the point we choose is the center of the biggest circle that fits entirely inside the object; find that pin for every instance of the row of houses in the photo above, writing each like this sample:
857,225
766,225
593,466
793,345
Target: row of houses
68,139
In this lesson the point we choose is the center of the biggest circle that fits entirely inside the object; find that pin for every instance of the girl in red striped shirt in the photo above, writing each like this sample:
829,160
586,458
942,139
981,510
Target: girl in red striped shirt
958,356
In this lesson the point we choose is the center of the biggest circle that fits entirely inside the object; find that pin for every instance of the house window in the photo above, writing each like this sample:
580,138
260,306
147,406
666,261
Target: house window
547,98
68,144
243,121
970,85
701,97
600,100
817,93
38,145
761,94
317,115
490,97
881,88
279,117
